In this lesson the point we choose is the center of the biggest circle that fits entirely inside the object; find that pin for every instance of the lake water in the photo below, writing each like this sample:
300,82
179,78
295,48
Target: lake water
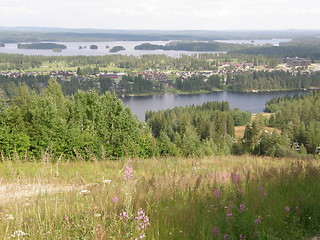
73,48
253,102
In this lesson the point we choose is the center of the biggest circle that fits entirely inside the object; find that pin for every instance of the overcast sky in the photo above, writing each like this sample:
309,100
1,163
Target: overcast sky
163,14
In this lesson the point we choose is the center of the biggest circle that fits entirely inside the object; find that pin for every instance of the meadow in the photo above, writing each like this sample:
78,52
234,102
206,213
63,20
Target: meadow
220,197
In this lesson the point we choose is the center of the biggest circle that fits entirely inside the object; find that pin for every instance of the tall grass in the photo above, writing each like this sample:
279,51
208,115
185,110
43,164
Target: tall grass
175,198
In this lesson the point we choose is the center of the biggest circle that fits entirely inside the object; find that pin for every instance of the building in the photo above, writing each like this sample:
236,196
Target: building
294,62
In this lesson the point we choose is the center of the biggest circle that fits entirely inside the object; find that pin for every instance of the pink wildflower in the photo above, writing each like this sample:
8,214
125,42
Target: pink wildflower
235,178
115,200
229,216
215,231
216,193
225,236
128,174
124,216
287,209
257,221
243,207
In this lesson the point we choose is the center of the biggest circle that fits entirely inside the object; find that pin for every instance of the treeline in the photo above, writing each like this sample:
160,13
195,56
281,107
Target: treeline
306,48
195,130
274,80
82,126
9,86
298,118
49,46
211,46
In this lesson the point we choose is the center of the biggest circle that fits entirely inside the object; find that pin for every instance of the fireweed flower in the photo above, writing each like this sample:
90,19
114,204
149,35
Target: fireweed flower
216,193
257,221
128,174
235,178
225,236
242,207
242,237
229,216
215,231
115,200
124,216
287,209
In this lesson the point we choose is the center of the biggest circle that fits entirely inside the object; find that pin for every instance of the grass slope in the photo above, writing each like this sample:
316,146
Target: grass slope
222,197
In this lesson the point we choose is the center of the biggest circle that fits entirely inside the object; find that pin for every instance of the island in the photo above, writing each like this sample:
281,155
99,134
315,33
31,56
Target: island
117,49
93,47
211,46
46,46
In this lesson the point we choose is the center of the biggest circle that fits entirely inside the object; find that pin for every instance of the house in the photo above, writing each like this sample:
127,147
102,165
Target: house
294,62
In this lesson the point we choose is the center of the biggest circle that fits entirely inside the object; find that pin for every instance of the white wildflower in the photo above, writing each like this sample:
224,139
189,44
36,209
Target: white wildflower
84,192
9,216
18,234
106,181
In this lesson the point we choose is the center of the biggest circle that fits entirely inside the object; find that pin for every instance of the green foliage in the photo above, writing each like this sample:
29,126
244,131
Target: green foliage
50,46
298,118
193,130
87,124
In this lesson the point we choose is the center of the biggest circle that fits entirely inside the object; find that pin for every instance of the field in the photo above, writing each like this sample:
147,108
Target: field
221,197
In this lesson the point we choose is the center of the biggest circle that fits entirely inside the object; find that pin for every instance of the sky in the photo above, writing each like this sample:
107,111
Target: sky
163,14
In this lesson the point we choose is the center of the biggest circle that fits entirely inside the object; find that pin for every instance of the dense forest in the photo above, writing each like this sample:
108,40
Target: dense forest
298,118
86,124
306,48
49,46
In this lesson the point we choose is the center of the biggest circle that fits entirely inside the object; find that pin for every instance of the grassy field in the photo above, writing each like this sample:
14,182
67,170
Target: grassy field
222,197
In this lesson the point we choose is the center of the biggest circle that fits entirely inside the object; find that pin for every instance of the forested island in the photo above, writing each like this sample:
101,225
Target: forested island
194,46
49,46
117,49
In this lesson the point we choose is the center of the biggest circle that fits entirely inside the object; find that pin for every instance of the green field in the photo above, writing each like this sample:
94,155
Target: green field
222,197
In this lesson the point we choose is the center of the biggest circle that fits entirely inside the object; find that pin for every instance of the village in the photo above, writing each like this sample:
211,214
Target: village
293,65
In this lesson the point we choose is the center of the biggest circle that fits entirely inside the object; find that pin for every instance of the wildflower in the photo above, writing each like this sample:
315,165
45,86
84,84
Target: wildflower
243,207
9,216
225,236
235,178
142,235
229,216
97,215
128,174
18,234
106,181
257,221
242,237
124,216
260,189
216,193
287,209
215,231
115,200
84,192
144,220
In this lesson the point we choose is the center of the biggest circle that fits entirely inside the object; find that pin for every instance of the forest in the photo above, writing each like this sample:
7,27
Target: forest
49,46
194,46
87,124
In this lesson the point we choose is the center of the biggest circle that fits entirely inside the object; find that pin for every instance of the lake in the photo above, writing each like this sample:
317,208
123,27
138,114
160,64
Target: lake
253,102
73,48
